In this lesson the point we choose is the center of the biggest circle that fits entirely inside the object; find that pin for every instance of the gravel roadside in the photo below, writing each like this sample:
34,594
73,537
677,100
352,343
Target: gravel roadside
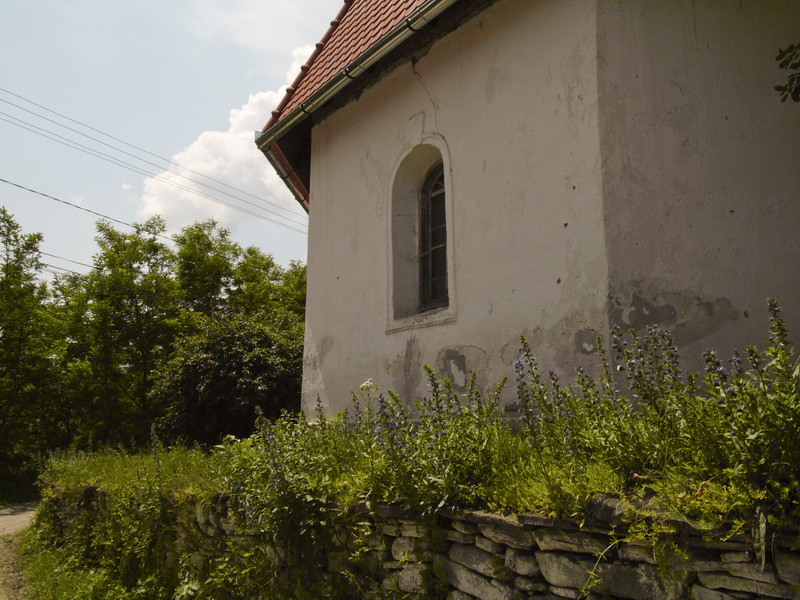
13,519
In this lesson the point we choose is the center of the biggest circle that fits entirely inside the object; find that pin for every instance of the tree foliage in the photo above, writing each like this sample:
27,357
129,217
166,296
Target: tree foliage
222,375
789,59
25,377
192,336
206,259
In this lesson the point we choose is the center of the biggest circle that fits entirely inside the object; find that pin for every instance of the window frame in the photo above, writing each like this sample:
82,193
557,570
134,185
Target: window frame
414,165
432,276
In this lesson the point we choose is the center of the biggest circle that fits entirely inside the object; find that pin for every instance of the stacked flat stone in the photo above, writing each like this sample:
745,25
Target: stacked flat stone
488,556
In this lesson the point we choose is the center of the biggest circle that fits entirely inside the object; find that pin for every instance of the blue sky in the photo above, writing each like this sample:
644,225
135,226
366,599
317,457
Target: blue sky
188,80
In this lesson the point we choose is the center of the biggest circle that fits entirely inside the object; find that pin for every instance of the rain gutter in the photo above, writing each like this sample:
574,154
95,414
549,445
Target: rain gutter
397,35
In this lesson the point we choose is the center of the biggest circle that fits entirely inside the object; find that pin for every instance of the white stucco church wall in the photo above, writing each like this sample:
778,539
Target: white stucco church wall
510,99
604,162
701,168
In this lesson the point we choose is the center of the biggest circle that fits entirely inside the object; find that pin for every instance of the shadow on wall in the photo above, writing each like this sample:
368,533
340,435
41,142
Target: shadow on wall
406,369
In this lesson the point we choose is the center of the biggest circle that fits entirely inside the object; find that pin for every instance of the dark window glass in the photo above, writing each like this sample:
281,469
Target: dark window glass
439,236
439,289
433,242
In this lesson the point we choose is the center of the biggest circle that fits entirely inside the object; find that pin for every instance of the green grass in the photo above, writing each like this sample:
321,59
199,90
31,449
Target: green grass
180,469
54,573
717,449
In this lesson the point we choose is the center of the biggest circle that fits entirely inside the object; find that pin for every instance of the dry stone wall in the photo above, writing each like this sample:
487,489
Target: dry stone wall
466,555
529,557
487,556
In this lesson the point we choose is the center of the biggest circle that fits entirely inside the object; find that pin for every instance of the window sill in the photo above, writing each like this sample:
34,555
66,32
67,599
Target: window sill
429,318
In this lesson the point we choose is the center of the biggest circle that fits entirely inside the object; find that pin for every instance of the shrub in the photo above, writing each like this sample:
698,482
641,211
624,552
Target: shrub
718,448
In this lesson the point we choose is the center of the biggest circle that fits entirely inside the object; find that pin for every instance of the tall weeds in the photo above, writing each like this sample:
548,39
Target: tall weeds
720,448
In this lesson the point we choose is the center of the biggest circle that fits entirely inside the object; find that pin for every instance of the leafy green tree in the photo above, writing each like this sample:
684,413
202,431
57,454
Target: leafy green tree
240,345
206,259
198,338
261,284
234,366
78,368
25,367
120,322
256,278
789,59
136,310
292,292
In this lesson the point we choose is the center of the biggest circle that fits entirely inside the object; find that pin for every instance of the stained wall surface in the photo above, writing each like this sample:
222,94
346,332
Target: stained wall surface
605,162
701,168
510,100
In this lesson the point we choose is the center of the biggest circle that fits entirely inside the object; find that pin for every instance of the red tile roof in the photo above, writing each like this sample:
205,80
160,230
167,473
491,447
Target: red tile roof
359,24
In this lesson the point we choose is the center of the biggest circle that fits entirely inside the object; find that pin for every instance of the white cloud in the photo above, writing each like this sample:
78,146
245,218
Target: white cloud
263,25
299,57
231,157
256,112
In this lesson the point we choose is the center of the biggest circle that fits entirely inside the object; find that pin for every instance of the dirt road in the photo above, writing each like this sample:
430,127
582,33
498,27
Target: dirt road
13,519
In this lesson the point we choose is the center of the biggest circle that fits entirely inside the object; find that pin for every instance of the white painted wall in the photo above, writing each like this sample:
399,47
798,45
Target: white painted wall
511,96
701,167
623,161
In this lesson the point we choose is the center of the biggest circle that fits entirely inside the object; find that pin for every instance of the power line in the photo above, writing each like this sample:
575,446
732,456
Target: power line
129,145
131,225
66,259
27,189
73,145
211,187
49,268
108,158
113,160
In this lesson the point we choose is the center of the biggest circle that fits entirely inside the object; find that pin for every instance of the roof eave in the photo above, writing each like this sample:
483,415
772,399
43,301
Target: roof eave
391,40
287,174
265,140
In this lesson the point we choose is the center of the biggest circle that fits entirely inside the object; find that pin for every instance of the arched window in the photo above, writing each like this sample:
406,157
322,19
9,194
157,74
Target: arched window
420,255
432,257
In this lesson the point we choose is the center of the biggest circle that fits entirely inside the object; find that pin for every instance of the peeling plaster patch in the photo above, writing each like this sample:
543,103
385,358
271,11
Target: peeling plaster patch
586,341
310,363
458,362
406,371
572,81
691,318
394,369
370,174
490,88
454,366
510,351
640,313
704,318
571,323
315,354
571,342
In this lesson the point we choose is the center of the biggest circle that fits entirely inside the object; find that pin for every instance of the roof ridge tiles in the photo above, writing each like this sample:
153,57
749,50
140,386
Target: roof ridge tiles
359,24
334,24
